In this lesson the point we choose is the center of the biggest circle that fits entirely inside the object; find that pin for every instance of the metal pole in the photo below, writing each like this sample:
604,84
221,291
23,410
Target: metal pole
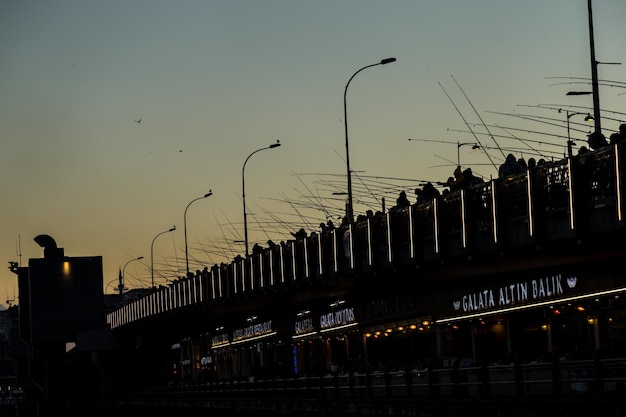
121,285
594,73
185,227
152,252
243,192
349,209
569,139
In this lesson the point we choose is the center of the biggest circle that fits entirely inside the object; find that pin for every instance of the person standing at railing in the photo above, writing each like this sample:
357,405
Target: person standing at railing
619,136
459,180
401,202
597,141
426,193
510,167
622,132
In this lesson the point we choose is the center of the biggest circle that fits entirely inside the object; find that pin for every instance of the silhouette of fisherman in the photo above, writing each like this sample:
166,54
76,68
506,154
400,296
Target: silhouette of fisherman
510,167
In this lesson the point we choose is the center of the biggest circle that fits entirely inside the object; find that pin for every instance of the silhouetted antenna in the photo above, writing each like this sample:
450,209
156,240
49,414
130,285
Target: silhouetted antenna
9,300
18,249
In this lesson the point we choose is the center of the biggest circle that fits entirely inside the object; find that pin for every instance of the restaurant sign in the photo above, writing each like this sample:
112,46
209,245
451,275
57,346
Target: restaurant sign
254,330
219,340
304,326
337,318
522,292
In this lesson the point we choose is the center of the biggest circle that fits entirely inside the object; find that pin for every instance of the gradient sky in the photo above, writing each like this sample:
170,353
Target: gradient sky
213,81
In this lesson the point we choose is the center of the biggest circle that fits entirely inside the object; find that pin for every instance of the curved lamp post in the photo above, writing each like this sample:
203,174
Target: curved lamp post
588,118
350,212
152,251
475,146
243,191
210,193
123,281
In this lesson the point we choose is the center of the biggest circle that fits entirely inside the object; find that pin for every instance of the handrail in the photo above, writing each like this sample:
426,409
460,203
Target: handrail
520,200
600,378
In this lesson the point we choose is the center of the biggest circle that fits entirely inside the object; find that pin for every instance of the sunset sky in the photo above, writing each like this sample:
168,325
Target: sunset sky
211,82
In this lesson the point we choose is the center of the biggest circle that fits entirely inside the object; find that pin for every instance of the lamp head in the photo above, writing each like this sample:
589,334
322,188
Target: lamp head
209,194
172,229
141,257
589,118
475,147
387,61
275,145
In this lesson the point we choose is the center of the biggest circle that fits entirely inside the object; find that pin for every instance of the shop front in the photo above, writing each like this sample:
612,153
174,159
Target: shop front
572,312
251,350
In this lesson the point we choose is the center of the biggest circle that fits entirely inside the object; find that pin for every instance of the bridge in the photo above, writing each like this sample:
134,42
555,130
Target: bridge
506,290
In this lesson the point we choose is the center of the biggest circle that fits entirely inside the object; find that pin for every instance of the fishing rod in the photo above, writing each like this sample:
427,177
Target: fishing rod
475,111
553,124
260,225
318,199
199,248
537,119
559,120
433,140
587,79
295,209
205,251
527,150
374,188
523,130
569,106
521,140
306,205
452,163
465,121
364,176
529,140
237,236
586,83
577,123
327,213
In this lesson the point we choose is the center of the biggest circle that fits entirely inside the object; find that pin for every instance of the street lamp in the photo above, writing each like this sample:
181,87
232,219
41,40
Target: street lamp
594,72
152,251
458,150
349,209
243,191
123,277
210,193
588,118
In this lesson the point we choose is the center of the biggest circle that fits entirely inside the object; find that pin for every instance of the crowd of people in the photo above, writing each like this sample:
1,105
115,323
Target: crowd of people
465,179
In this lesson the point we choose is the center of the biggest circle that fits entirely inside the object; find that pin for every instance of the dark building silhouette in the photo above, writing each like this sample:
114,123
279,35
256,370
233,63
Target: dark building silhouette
60,297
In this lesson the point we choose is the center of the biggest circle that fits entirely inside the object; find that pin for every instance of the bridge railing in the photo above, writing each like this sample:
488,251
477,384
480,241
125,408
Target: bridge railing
597,378
579,197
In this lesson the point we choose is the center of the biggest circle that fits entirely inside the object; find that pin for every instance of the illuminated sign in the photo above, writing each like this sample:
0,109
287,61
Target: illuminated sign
337,318
219,340
252,331
304,326
514,294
